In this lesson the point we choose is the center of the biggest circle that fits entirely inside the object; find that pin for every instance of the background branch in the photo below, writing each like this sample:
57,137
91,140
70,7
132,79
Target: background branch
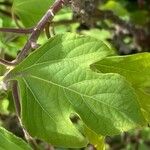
19,31
49,15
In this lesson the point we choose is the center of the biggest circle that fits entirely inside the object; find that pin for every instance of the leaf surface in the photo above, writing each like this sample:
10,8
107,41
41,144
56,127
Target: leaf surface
30,11
136,69
56,81
97,140
8,141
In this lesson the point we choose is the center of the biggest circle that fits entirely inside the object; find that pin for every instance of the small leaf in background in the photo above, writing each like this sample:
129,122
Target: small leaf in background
140,17
116,7
8,141
63,14
30,11
97,140
4,106
10,43
57,81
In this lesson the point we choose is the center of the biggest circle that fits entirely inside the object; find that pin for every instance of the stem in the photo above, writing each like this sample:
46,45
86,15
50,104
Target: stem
49,15
16,97
7,63
100,14
16,18
47,30
13,30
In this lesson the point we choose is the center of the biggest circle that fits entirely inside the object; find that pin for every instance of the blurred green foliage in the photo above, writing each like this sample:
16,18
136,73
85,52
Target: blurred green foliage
28,13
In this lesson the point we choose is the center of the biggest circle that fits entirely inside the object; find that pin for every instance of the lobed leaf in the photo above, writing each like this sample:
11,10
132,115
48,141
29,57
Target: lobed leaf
56,81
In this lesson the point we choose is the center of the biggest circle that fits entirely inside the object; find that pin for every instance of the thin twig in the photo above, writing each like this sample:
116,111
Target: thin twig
49,15
16,18
19,31
48,34
16,97
101,15
7,63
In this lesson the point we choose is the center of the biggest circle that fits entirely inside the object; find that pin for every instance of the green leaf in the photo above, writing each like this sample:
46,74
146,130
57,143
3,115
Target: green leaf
102,35
116,7
97,140
63,14
140,17
4,106
30,11
144,100
8,141
56,81
97,33
136,69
